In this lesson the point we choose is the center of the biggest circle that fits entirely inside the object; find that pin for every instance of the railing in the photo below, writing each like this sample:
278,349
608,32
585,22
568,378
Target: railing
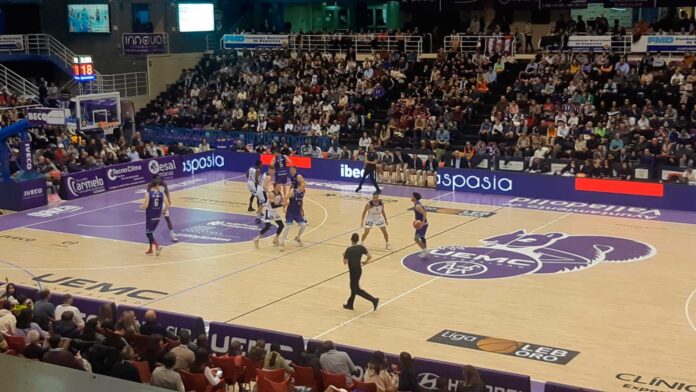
18,84
131,84
464,43
586,43
361,43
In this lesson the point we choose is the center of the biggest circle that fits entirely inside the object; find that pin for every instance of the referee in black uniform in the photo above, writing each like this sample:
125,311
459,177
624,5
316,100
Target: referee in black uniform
353,257
370,169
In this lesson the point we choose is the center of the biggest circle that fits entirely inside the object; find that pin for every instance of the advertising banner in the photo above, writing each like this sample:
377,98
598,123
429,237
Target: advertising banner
553,4
85,183
47,116
168,167
145,43
553,387
594,43
255,41
11,43
207,161
671,43
172,321
26,160
629,3
128,174
33,194
221,335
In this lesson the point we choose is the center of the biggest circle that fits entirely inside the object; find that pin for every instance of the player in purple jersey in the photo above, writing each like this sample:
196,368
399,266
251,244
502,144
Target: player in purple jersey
153,204
167,218
421,215
294,212
280,163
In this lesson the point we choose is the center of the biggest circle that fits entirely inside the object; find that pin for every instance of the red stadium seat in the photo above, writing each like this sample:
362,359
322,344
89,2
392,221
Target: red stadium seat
229,370
364,386
333,379
198,383
143,370
250,367
16,343
283,386
304,377
263,376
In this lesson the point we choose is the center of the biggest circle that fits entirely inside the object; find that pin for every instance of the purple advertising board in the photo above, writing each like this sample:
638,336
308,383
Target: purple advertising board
207,161
430,370
127,174
145,43
172,321
221,335
553,387
18,196
84,183
46,116
168,167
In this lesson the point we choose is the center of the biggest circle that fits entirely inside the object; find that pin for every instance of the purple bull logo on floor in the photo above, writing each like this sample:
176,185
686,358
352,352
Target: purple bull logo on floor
521,253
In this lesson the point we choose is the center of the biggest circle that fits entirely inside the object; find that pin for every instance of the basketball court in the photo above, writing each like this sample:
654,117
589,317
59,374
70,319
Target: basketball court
600,301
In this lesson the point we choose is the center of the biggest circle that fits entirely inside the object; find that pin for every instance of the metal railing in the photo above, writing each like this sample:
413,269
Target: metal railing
17,84
466,43
361,43
129,84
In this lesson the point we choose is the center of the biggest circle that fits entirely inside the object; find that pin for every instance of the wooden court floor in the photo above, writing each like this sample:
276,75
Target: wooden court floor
625,317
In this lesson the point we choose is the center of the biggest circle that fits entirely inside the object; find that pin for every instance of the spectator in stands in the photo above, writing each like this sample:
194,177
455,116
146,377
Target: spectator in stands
67,306
8,321
472,381
44,310
33,349
106,312
10,294
274,360
90,333
66,325
408,378
58,355
184,356
151,325
337,362
165,376
128,325
25,324
258,351
204,146
153,351
377,373
201,366
123,369
201,342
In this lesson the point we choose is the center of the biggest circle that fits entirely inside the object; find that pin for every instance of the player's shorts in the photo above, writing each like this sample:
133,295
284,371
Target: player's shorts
420,233
271,215
252,187
294,217
261,196
370,223
281,179
151,224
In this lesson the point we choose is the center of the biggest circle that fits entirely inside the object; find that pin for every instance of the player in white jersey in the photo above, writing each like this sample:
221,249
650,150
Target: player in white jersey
253,183
376,217
272,214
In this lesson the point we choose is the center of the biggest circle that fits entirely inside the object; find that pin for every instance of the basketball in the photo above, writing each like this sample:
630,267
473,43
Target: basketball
495,345
417,224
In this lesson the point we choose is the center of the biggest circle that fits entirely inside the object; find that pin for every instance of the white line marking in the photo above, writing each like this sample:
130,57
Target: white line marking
111,226
686,310
425,284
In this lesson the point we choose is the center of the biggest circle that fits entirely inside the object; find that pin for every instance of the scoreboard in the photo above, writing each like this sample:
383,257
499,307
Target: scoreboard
83,69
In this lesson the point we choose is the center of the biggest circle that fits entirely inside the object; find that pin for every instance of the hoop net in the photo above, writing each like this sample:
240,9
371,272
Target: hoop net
108,127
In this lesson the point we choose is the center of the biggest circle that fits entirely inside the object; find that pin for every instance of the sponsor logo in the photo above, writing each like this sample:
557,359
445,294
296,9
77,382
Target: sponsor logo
17,238
93,184
653,384
513,348
51,212
221,344
584,208
454,211
660,40
156,167
521,253
103,287
28,161
359,198
227,228
475,182
66,244
347,172
114,174
194,165
42,116
33,192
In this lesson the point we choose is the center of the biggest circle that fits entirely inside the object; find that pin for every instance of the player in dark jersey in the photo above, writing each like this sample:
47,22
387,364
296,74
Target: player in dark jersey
167,218
376,217
280,163
153,204
421,215
294,212
296,178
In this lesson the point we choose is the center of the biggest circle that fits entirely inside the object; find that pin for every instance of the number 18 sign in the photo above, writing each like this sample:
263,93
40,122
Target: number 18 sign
83,69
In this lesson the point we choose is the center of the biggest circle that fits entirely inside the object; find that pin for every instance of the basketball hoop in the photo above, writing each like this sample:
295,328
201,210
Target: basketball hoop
108,127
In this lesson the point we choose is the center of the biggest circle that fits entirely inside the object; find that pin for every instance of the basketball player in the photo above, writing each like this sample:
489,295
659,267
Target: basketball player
376,217
353,258
153,204
295,213
296,178
265,187
280,164
274,203
167,218
253,175
422,218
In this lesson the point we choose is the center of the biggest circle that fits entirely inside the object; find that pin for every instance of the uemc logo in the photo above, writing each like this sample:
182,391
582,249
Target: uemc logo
474,182
347,172
221,344
194,165
660,40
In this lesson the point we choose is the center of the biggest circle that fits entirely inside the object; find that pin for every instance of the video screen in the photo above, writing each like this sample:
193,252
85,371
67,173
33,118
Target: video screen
196,17
88,18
